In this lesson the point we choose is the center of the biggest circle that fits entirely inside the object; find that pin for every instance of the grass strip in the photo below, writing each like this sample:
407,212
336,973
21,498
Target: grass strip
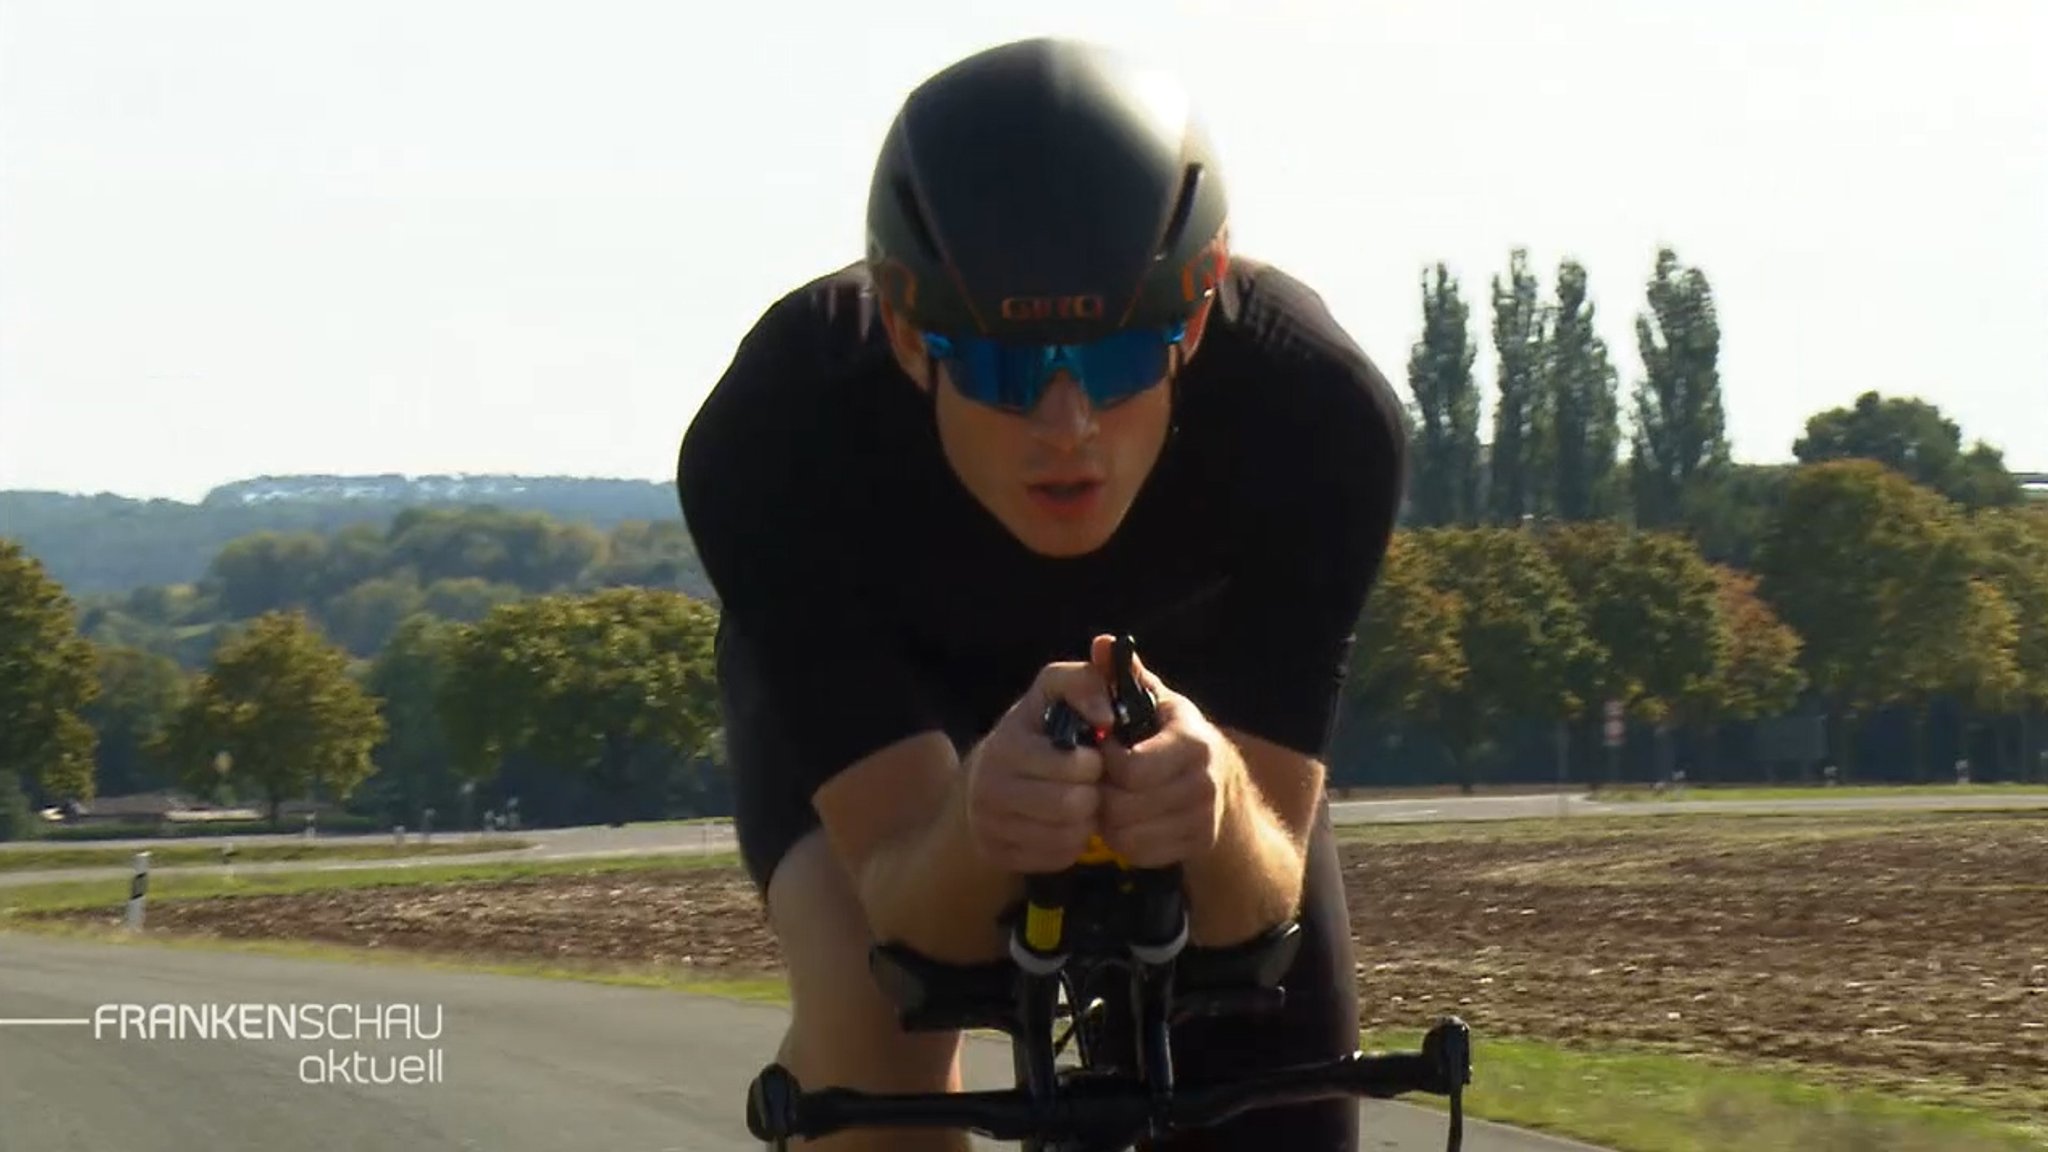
73,895
182,854
1765,793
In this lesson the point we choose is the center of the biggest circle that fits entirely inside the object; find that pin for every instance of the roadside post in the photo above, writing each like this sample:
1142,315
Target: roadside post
138,891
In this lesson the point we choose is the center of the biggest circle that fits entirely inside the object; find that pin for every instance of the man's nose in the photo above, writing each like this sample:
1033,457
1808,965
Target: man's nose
1064,415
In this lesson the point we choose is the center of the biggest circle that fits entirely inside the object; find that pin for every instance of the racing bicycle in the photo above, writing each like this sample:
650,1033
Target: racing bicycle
1104,947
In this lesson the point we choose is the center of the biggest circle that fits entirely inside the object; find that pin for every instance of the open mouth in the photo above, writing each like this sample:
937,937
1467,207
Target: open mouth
1066,499
1072,490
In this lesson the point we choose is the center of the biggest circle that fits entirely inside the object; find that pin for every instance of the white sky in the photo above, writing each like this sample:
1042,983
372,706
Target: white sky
450,235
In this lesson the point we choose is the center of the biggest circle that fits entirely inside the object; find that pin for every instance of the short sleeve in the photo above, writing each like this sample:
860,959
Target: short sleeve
753,477
1316,525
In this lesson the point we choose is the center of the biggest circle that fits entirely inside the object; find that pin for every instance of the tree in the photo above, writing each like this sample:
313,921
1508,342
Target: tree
1762,675
267,572
1976,661
1408,662
1652,605
278,698
1727,519
1446,489
2012,554
414,765
1523,436
527,549
585,683
1912,437
1580,381
46,681
1523,639
1680,437
139,694
466,600
1871,570
363,617
650,554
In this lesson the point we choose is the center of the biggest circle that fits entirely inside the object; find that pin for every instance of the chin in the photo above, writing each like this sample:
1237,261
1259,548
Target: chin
1063,539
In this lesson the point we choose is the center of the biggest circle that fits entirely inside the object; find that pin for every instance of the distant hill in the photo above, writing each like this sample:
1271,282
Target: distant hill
115,544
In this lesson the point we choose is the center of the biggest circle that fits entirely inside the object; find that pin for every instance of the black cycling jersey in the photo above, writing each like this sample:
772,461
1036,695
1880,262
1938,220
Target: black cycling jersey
865,595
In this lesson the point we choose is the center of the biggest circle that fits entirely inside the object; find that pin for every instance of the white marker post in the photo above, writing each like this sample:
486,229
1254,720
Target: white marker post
138,891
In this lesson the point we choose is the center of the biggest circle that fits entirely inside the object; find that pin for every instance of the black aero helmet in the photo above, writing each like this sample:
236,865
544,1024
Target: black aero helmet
1046,190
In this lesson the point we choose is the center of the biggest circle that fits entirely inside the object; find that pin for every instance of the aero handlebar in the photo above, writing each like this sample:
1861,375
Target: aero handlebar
778,1109
1100,915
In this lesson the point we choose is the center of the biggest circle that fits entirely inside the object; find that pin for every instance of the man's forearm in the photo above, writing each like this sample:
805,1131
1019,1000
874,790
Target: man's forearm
1252,879
931,890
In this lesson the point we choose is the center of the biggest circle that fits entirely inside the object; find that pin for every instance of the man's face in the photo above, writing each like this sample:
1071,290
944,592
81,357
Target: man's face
1061,477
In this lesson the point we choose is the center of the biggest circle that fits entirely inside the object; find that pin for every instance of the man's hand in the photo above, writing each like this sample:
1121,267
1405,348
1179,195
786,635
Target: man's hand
1164,800
1032,807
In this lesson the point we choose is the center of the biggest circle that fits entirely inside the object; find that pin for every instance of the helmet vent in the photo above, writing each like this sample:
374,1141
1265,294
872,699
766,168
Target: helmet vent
913,214
1182,209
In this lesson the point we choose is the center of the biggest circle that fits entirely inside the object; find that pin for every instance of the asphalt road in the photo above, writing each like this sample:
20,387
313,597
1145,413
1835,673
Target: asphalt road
643,839
524,1065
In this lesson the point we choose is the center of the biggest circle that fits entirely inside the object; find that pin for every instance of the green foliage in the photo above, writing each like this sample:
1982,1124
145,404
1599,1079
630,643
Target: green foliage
358,584
1523,641
1912,437
1408,661
583,683
408,678
18,819
1726,514
1446,409
1680,435
279,700
46,679
1652,606
1581,384
2012,551
139,694
1876,574
1524,432
1763,676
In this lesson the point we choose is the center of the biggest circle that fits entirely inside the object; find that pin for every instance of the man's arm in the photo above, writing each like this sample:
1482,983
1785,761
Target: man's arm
1273,681
898,821
1252,879
758,493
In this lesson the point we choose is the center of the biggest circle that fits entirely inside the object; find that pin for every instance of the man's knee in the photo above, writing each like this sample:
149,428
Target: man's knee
843,1030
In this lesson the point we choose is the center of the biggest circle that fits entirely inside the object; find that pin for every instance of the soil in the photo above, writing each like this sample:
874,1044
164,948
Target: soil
1889,950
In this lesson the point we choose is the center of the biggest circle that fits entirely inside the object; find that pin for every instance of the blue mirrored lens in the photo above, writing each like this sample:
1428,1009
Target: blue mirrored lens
1015,376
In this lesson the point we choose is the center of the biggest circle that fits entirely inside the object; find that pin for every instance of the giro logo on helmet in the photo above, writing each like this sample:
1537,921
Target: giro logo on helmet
1086,307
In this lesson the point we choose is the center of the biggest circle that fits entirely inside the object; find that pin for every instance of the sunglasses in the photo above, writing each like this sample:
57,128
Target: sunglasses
1014,377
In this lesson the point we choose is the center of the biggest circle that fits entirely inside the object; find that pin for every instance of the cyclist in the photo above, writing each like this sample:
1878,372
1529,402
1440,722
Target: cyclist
1048,406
